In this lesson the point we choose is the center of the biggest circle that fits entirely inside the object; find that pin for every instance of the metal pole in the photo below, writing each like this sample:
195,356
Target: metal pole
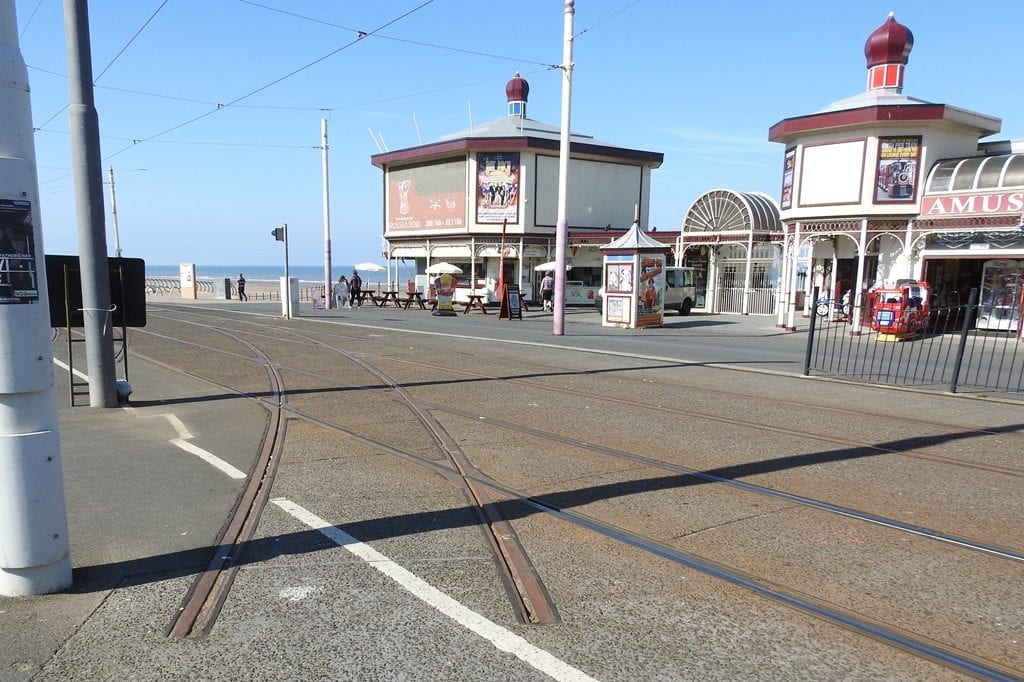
810,337
113,215
287,278
972,303
328,279
562,226
92,237
35,556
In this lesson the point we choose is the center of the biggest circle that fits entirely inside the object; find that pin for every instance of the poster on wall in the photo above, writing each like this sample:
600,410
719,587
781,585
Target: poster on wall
18,281
896,177
788,170
428,196
497,188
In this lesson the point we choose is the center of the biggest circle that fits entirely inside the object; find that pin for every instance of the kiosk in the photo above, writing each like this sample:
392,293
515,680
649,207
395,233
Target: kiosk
634,281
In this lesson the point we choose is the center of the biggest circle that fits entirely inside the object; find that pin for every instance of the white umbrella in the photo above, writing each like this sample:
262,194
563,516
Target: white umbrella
550,266
369,267
440,268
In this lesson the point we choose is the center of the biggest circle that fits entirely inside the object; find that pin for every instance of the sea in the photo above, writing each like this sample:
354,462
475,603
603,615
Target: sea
313,274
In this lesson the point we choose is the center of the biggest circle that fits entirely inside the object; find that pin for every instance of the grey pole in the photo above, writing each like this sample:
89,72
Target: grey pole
328,275
35,555
92,236
562,223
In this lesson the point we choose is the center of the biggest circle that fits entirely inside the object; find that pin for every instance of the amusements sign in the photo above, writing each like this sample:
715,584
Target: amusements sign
18,281
898,159
497,188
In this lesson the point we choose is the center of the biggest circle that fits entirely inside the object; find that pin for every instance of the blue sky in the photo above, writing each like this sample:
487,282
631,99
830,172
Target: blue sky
699,82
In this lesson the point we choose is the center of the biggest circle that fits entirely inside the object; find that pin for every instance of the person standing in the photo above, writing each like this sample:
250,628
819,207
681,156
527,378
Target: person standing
242,296
547,292
341,292
356,287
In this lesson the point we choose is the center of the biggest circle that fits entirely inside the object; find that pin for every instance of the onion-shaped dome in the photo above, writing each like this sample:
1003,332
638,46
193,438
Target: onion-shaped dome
517,89
890,43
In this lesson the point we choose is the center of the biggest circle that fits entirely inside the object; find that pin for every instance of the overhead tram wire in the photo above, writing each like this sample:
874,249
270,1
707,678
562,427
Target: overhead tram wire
360,35
115,58
601,21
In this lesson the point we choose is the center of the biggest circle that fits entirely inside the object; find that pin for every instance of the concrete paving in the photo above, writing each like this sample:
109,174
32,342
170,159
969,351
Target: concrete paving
143,513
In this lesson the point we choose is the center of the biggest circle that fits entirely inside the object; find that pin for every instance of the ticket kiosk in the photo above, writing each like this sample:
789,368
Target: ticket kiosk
634,281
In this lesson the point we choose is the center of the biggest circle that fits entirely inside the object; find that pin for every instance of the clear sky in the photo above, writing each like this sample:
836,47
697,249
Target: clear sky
210,110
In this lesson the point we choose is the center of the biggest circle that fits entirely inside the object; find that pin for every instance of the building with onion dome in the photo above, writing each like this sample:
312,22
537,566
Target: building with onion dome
486,198
881,186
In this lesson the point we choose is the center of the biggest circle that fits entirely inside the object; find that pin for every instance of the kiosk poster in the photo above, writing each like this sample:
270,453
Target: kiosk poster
788,169
898,159
18,281
497,188
652,291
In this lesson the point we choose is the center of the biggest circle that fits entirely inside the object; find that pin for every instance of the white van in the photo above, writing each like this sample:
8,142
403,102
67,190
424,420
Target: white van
680,293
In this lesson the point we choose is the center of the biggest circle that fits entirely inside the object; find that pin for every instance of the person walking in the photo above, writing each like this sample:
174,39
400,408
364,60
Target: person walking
242,296
547,292
356,287
341,292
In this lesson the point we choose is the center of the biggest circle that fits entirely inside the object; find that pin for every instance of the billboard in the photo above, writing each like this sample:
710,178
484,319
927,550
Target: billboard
429,196
18,280
896,175
497,188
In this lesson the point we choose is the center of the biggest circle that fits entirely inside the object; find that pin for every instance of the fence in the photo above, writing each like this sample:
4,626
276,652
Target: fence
951,353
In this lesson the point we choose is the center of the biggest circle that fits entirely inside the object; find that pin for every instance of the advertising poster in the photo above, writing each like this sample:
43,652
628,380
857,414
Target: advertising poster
788,169
618,309
444,288
18,281
651,307
896,177
427,197
497,187
618,277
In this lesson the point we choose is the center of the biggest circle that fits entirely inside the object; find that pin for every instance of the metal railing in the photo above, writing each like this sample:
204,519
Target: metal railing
951,353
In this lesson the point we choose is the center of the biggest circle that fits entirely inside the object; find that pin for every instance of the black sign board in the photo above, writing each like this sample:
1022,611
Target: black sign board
127,291
511,303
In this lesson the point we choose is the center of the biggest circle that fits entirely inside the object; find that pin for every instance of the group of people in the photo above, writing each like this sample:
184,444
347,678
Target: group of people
347,293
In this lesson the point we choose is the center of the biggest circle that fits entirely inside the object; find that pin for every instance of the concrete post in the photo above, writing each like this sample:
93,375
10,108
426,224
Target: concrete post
92,235
34,549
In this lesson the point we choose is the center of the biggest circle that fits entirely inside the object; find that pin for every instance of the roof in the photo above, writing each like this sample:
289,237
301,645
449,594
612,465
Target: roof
512,133
971,174
633,240
879,108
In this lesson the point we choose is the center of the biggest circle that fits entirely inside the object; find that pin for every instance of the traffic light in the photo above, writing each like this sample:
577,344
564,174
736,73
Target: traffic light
278,233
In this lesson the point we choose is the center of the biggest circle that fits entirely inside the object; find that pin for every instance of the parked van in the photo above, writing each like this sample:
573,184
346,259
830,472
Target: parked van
680,293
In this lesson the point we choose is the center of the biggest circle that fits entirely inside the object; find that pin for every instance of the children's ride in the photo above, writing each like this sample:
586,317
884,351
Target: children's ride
899,311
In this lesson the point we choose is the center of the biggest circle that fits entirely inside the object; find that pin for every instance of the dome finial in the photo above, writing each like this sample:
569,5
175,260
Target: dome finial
887,51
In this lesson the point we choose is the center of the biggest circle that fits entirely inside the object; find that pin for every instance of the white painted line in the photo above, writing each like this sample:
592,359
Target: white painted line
183,434
501,638
213,460
66,368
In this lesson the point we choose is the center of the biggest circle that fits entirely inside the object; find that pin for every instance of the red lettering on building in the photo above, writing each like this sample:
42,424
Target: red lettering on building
973,204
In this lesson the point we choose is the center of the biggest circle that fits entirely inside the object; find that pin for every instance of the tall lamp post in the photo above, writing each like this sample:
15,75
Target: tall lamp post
562,226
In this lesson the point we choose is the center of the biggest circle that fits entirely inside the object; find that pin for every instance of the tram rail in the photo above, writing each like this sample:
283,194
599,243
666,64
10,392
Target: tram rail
835,613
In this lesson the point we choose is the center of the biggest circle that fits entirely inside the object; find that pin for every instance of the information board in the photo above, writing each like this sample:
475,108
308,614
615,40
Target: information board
511,303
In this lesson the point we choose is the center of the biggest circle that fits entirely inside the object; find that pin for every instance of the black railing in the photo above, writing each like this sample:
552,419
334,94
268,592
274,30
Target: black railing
956,349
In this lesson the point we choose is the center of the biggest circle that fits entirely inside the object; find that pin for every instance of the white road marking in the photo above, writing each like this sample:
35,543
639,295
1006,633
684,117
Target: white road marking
184,435
501,638
213,460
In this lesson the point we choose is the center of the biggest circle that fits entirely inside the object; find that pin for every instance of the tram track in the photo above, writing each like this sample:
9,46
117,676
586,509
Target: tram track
830,612
531,602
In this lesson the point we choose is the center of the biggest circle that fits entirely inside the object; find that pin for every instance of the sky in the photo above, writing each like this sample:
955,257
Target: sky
210,110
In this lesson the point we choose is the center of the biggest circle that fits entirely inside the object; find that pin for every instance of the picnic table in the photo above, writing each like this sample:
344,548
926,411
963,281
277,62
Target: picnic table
475,301
414,297
385,296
